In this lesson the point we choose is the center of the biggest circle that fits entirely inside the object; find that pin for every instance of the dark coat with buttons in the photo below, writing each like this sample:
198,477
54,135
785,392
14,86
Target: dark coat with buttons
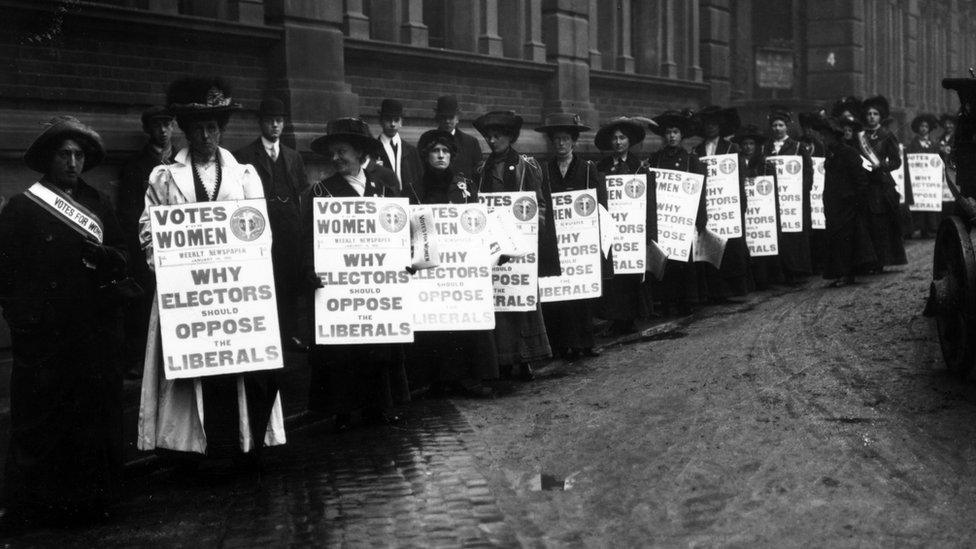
65,386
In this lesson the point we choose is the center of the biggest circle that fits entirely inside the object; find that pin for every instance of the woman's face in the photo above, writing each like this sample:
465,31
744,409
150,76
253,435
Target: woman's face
711,129
748,147
778,128
204,138
439,157
950,126
923,129
498,140
848,133
620,142
562,143
672,137
873,117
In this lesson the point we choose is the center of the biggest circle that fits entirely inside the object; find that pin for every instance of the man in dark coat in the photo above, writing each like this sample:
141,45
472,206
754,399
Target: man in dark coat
469,150
158,124
397,155
282,173
346,378
61,251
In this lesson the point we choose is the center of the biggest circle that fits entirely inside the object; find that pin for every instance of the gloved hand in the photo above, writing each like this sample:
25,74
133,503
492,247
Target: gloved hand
100,257
312,281
503,259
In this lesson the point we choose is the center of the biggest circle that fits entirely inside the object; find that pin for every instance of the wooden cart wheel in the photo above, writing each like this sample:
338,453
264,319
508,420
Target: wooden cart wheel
953,294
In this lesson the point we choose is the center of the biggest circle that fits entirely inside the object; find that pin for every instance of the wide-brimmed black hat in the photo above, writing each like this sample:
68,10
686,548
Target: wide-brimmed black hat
391,108
447,105
350,130
156,112
749,131
633,129
809,119
58,129
562,122
878,102
948,116
836,124
194,96
673,119
779,112
727,119
925,117
437,137
849,103
271,107
505,120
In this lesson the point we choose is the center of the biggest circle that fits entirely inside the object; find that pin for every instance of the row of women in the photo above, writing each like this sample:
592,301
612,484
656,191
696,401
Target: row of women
62,284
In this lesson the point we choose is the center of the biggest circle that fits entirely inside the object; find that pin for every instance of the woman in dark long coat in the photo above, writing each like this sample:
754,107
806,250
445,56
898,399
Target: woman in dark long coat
65,453
879,146
794,247
926,223
569,323
623,293
345,378
811,145
452,360
732,278
849,245
520,336
682,286
765,270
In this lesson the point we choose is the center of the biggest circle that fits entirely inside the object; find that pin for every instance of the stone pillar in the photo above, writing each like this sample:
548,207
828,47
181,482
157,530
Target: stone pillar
354,22
489,42
533,49
566,26
835,49
596,61
465,18
624,60
313,87
512,32
647,33
246,11
715,52
384,19
669,67
694,36
413,31
911,53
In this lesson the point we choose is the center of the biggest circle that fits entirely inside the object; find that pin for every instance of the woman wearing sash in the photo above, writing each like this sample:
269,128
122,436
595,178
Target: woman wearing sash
451,361
682,285
623,293
880,148
794,247
520,336
570,323
732,279
240,413
61,249
926,223
365,378
765,270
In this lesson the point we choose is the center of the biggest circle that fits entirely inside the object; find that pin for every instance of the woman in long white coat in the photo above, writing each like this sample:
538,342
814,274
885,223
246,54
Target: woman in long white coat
223,416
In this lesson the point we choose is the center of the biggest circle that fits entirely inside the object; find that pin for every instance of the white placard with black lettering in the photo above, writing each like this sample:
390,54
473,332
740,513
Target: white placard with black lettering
722,200
789,184
215,288
578,237
627,204
457,293
926,172
678,196
362,249
516,283
817,218
761,216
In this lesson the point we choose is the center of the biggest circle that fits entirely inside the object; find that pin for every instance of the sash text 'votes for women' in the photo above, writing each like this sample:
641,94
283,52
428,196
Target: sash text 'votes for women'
578,235
516,283
627,204
215,288
361,251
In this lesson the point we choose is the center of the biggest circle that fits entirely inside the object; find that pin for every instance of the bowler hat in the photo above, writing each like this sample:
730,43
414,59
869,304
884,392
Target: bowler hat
58,129
200,96
437,137
749,131
350,130
925,117
391,108
271,107
505,120
562,122
878,102
779,112
155,112
447,105
672,119
631,128
727,119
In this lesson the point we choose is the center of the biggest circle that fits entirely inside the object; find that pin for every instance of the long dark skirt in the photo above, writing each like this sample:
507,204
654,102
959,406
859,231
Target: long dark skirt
885,231
794,254
818,249
734,277
766,271
520,337
569,324
466,357
347,378
65,453
681,285
622,297
849,246
221,418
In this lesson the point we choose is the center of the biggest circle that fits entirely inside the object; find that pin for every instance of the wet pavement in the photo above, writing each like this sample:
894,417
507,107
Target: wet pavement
413,485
